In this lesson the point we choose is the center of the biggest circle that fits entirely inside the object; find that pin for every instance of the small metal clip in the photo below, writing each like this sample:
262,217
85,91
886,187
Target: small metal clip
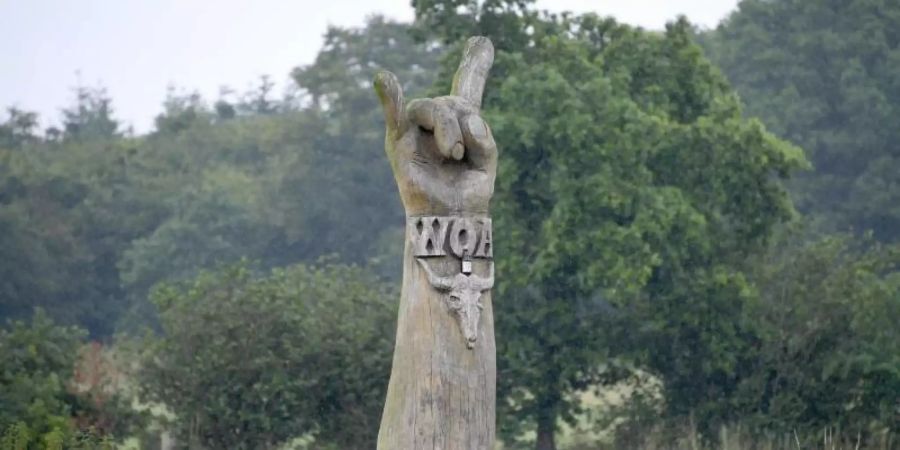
466,262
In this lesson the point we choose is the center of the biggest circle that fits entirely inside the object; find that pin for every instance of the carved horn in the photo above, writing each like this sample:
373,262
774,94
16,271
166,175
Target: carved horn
438,282
482,283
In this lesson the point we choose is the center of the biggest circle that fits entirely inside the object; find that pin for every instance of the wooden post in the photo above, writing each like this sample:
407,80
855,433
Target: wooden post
442,391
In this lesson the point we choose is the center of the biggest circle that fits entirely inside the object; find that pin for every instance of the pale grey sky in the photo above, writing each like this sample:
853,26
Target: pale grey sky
136,48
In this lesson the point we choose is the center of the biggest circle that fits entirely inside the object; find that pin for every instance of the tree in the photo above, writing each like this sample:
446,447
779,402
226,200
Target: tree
822,74
18,129
341,167
91,117
827,355
340,79
505,22
50,256
259,101
44,406
265,185
180,112
37,360
630,190
92,219
23,251
61,240
248,362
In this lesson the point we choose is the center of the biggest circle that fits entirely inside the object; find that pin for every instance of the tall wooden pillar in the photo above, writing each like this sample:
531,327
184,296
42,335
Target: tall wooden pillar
442,391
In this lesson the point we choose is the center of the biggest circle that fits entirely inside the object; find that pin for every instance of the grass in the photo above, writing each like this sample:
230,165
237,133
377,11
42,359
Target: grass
603,426
738,438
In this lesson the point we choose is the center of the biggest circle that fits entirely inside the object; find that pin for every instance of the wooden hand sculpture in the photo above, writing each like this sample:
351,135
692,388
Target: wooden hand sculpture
442,390
443,154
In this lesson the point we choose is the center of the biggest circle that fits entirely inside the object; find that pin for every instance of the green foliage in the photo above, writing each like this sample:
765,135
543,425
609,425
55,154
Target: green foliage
822,73
505,22
102,384
280,188
19,437
340,78
638,206
58,246
630,190
36,388
249,362
91,118
18,129
52,397
202,206
828,353
36,362
91,220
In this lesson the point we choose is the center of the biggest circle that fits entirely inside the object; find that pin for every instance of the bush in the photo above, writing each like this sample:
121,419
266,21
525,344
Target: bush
249,362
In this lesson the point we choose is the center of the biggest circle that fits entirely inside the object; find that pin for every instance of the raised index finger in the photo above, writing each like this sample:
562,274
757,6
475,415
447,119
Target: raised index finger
473,69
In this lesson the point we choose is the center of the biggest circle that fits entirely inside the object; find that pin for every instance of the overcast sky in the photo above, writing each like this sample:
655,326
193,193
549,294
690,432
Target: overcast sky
136,48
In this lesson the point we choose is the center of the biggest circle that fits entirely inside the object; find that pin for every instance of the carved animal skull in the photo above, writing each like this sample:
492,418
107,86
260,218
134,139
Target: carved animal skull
463,299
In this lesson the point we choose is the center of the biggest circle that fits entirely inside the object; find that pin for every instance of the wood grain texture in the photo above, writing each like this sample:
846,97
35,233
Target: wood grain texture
473,70
441,394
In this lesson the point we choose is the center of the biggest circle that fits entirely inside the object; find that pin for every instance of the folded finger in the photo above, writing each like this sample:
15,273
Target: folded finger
479,141
439,118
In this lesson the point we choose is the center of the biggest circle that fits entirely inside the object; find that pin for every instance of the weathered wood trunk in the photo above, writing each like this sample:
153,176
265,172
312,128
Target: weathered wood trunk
441,393
443,381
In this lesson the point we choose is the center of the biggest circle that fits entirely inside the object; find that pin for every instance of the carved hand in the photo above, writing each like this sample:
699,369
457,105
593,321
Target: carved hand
443,154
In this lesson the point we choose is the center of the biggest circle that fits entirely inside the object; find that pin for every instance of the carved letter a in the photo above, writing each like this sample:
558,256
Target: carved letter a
485,246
